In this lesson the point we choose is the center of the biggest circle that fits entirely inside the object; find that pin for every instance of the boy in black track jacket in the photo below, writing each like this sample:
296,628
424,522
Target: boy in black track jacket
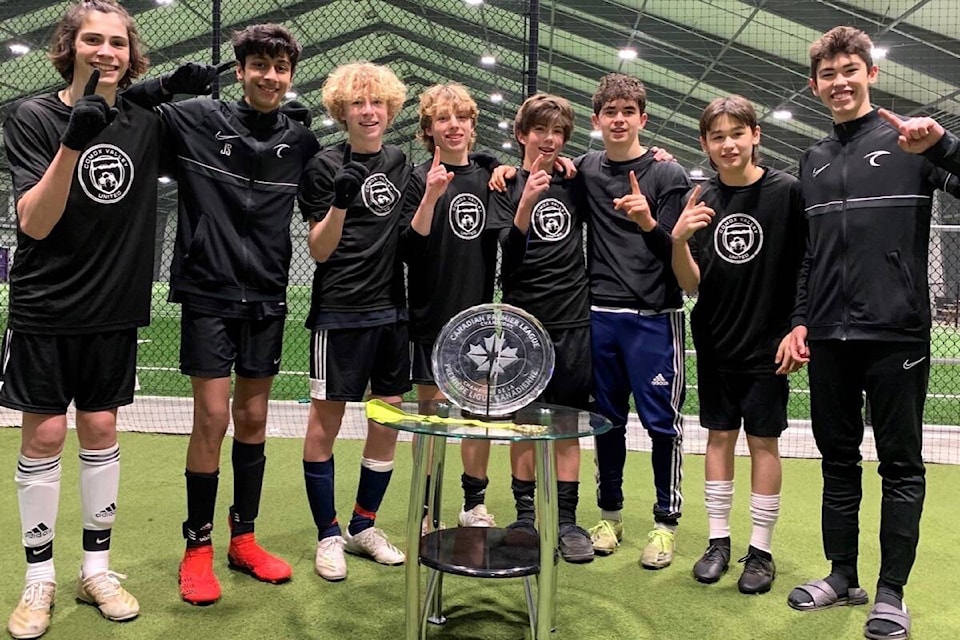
863,318
238,169
84,163
748,240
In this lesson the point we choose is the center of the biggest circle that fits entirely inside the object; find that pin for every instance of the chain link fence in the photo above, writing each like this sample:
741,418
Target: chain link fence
687,53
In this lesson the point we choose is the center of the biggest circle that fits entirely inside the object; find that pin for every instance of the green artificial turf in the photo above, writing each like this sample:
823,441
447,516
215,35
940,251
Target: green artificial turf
609,598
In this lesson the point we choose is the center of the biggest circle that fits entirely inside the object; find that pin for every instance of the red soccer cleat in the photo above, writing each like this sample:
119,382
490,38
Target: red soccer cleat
198,583
249,557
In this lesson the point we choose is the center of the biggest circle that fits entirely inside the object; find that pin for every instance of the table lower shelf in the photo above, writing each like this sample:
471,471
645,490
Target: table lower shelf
482,552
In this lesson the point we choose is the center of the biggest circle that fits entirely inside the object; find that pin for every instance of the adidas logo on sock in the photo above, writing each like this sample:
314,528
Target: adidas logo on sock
659,381
108,512
203,535
39,531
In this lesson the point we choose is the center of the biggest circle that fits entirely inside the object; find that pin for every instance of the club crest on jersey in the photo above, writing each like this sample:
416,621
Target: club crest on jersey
738,238
467,216
551,220
379,194
105,173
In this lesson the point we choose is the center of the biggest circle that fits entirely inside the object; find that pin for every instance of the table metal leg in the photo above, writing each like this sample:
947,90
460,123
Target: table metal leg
548,519
418,485
438,446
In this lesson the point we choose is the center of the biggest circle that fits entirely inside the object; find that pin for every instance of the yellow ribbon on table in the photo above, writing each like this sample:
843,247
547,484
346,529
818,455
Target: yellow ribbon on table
383,413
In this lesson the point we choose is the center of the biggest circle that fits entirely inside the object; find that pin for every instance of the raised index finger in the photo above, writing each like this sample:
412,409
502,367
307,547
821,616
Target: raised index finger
436,158
223,66
91,87
890,117
347,154
634,184
694,196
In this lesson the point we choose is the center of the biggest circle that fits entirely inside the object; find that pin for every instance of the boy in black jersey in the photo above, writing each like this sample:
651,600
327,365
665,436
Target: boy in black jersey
748,235
636,316
544,273
451,254
238,169
85,164
863,318
351,197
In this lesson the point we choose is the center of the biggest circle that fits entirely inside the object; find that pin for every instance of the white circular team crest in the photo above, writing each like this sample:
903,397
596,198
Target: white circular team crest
738,238
379,194
551,220
105,172
467,216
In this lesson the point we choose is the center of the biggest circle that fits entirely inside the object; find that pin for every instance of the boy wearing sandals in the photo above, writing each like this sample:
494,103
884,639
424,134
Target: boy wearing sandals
863,320
749,239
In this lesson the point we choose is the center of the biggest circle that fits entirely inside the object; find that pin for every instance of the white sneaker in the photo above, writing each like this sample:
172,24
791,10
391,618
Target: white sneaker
425,527
373,543
477,517
103,590
31,618
330,563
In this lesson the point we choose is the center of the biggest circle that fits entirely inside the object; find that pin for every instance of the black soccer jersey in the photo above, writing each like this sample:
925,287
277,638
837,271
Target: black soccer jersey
749,257
628,267
364,273
93,272
452,268
544,271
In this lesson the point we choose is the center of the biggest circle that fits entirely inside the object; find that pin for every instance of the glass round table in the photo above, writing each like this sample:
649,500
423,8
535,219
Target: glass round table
492,553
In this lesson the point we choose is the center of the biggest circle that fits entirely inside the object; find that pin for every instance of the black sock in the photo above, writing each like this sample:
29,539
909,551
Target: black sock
893,596
568,495
766,555
720,542
843,577
248,466
201,502
523,492
474,491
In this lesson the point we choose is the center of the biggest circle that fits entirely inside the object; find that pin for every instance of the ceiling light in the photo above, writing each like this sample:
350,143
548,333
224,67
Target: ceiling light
696,172
488,60
474,3
328,122
878,53
163,3
496,97
503,124
782,114
18,49
595,134
290,95
627,53
164,179
507,145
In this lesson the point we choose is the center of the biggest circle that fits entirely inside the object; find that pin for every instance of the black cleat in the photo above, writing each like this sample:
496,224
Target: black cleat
713,563
575,544
758,572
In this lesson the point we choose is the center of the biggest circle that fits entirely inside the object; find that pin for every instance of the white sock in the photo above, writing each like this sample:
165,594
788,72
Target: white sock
38,495
99,487
764,511
718,498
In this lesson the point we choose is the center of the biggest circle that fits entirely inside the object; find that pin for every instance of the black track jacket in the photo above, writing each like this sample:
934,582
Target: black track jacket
868,207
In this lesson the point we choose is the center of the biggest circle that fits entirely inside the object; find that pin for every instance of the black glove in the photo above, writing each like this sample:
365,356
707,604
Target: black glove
296,110
91,115
193,78
349,180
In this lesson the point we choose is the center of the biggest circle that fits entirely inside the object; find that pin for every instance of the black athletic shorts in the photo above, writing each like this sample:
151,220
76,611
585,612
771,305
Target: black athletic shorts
210,346
422,367
759,400
572,381
44,373
343,361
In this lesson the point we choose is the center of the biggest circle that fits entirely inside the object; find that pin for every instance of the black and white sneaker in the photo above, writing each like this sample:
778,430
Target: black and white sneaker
759,572
714,562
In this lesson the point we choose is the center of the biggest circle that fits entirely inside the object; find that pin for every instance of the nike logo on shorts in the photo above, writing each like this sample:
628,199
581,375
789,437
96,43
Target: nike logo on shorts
910,365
